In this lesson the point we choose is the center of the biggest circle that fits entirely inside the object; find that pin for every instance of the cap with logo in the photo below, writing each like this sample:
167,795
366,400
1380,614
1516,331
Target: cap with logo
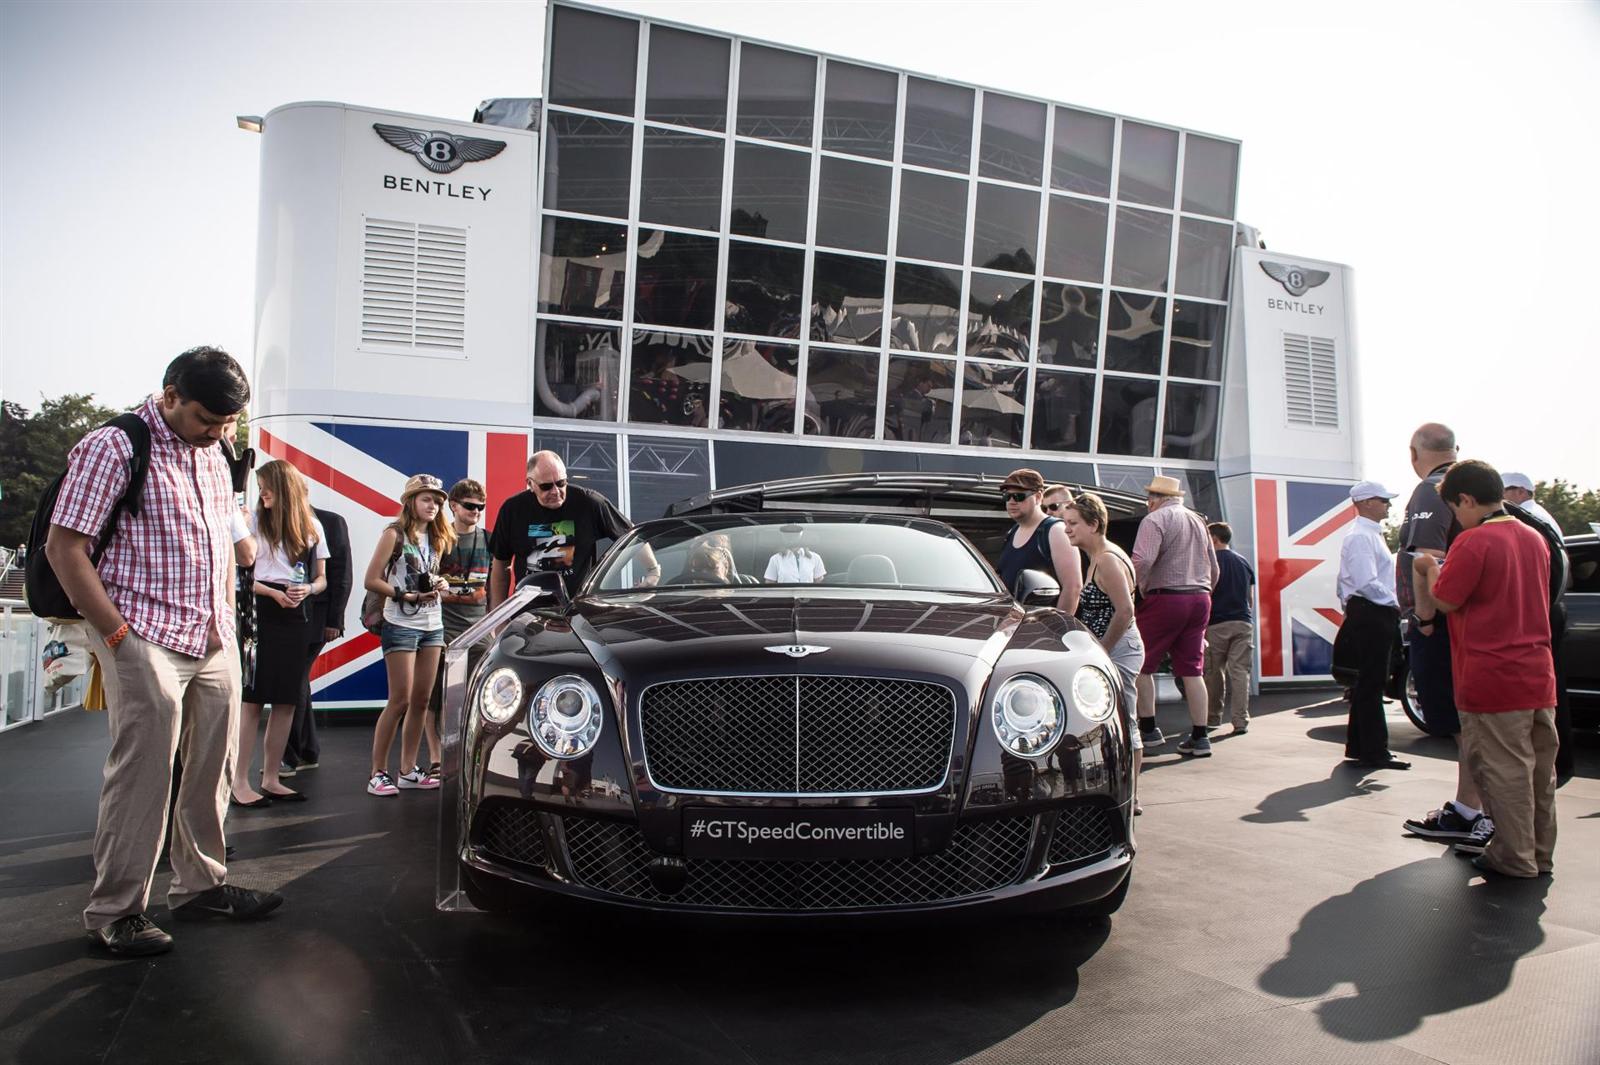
1517,480
1164,486
420,483
1024,480
1370,490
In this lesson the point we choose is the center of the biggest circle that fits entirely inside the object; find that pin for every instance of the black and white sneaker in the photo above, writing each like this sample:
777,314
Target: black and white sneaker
1478,841
131,936
1445,824
225,900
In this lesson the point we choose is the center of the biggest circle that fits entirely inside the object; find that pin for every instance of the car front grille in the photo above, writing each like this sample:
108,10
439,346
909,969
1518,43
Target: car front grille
803,735
982,856
510,831
1082,832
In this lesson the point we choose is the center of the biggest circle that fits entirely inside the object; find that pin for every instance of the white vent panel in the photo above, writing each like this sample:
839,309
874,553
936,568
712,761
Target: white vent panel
414,286
1310,381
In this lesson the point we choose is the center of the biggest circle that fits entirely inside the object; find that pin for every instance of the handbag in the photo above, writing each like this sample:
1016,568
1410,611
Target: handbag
372,602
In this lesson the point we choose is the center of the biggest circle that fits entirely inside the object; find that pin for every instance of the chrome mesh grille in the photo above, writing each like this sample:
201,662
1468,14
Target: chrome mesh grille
1082,832
982,856
798,735
511,832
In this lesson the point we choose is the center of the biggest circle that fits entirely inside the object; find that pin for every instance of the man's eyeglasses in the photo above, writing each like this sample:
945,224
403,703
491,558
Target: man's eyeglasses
545,486
1053,507
1015,497
470,506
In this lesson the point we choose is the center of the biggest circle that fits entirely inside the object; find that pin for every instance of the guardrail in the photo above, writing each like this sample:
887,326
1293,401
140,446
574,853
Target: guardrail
23,690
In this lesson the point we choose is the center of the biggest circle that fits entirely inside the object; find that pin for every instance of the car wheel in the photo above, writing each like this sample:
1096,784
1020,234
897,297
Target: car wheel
1102,909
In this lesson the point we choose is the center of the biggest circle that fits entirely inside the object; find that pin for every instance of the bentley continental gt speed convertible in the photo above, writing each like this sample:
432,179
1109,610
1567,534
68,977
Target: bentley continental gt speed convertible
767,714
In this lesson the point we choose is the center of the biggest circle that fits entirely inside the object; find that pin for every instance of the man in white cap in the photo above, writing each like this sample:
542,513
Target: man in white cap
1519,490
1371,623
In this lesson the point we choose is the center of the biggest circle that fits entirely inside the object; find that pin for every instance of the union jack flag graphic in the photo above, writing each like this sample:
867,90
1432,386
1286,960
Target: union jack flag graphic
359,470
1298,533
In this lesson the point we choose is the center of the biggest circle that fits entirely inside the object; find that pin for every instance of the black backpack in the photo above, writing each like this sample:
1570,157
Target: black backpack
45,596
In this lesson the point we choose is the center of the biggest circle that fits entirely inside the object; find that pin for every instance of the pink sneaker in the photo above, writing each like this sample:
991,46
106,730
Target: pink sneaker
382,784
418,779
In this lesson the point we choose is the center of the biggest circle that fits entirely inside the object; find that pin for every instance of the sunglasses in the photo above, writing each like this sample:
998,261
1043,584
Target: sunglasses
1054,506
470,506
545,486
1015,497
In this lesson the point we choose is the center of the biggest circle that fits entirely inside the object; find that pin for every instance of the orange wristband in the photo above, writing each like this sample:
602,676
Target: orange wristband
118,636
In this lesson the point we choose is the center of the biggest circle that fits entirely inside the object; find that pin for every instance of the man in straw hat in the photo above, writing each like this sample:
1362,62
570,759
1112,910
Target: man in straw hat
1176,567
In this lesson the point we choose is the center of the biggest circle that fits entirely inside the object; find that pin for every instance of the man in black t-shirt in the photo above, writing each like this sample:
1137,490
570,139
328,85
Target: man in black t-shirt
553,526
1230,633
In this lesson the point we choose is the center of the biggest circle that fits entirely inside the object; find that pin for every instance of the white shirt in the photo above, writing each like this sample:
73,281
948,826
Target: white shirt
798,566
273,566
239,525
1366,568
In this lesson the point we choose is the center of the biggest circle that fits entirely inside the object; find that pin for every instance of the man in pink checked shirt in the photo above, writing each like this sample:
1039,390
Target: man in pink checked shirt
161,605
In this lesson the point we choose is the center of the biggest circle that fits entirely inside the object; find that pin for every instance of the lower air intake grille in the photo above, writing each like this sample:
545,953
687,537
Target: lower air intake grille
1082,832
511,832
982,856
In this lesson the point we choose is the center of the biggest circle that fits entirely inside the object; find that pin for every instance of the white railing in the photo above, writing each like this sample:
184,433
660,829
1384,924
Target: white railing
23,693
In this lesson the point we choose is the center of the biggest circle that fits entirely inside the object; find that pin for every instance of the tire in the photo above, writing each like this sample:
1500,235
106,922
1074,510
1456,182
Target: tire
1405,693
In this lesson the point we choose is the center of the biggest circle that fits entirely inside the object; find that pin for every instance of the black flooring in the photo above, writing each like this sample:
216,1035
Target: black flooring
1278,915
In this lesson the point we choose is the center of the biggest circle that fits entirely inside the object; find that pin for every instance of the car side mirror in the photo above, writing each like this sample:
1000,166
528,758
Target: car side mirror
549,582
1036,588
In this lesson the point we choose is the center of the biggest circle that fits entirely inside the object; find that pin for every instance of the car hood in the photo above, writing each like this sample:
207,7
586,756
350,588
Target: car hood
731,631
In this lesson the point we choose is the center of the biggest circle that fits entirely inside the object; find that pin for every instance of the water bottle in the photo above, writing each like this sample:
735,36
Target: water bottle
299,573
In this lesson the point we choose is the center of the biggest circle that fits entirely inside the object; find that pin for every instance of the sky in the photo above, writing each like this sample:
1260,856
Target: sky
1449,152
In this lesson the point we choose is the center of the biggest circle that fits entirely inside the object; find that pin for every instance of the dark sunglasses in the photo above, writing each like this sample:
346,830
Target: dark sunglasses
470,506
545,486
1015,497
1054,506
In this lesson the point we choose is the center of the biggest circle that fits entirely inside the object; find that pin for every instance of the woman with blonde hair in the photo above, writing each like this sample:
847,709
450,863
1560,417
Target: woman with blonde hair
405,571
291,554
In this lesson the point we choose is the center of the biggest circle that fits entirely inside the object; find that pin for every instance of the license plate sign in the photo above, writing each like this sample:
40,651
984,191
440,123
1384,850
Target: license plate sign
797,835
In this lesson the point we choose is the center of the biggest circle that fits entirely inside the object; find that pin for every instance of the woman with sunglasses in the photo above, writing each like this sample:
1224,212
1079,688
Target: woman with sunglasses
1037,540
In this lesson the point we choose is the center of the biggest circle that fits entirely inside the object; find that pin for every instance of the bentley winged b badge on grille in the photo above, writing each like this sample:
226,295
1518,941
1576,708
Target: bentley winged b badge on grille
796,650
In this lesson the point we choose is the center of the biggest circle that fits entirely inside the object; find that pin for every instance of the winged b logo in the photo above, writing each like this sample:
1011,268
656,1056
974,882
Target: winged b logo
1295,280
796,650
443,153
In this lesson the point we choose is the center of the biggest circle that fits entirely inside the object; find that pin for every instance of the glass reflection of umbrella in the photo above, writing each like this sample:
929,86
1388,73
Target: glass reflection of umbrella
744,373
981,399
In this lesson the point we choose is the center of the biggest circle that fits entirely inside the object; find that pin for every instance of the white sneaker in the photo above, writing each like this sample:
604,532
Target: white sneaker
416,778
381,784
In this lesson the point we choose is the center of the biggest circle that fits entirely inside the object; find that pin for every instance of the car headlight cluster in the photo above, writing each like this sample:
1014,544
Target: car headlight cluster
1093,693
501,696
566,716
1028,715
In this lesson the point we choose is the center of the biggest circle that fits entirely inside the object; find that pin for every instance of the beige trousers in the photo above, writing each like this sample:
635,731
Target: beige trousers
1228,645
160,704
1512,759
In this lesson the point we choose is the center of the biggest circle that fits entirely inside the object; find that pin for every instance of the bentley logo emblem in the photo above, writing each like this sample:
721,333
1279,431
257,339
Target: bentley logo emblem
1294,279
443,153
796,650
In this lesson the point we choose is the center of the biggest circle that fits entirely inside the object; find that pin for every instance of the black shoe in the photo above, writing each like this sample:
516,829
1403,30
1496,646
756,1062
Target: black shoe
225,900
261,803
1384,763
1443,824
131,936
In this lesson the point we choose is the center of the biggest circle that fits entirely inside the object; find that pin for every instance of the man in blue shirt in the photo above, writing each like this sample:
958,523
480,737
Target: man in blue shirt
1230,634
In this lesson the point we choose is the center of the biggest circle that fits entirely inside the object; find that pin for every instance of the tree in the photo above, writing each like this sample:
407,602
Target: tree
33,451
1572,509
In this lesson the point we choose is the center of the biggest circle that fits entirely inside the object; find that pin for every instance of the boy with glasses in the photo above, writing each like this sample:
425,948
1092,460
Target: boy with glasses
465,570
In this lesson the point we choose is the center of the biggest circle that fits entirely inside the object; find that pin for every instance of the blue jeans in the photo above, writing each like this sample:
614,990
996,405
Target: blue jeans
1436,686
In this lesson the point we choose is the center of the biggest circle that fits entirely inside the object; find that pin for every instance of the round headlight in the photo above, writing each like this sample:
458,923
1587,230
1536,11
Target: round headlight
566,716
1093,694
1027,714
501,696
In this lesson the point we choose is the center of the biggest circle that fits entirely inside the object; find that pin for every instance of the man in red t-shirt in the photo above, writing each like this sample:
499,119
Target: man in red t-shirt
1495,590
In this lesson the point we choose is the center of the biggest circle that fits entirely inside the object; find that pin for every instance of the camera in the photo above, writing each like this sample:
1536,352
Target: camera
421,582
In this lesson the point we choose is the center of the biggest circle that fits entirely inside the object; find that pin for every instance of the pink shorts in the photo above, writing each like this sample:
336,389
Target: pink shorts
1175,623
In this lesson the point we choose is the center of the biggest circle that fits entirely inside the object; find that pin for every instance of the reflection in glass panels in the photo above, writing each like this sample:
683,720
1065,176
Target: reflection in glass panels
662,472
682,180
1063,411
918,402
1130,479
1210,175
933,217
1200,491
776,94
671,378
586,163
853,205
688,80
771,187
927,308
583,268
575,371
1204,251
1133,332
676,279
938,125
759,384
1075,239
1128,416
1144,248
1013,139
1190,431
1069,325
847,298
999,317
1149,164
858,110
994,399
593,61
1195,349
764,287
841,397
1005,235
1082,152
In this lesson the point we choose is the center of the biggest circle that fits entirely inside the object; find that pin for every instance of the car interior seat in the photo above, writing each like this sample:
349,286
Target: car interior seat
872,569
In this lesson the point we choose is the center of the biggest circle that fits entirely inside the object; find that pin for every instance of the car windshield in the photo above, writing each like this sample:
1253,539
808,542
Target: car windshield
731,551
